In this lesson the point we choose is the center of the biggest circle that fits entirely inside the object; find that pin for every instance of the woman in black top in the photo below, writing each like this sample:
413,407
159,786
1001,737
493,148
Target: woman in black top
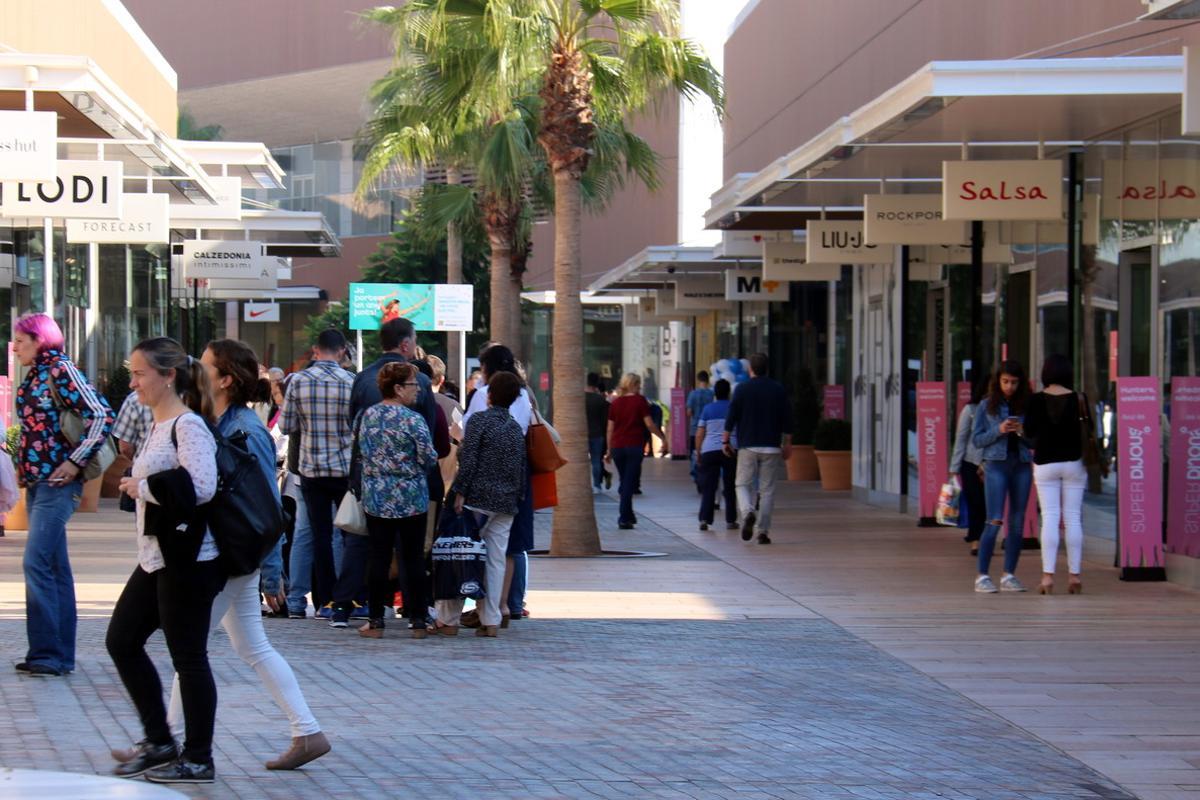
1052,423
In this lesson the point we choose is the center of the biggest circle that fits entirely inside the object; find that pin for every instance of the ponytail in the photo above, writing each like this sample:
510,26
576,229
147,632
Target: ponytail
167,356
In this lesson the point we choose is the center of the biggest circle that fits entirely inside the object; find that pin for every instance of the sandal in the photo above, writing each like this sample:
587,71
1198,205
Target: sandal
372,630
438,629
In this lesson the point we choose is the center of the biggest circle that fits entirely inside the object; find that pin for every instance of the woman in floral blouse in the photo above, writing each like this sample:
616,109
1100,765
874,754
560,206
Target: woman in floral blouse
50,468
396,451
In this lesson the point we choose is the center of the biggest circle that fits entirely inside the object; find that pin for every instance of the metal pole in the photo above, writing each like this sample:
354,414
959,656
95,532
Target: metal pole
1073,242
741,339
903,379
358,356
48,266
978,368
462,366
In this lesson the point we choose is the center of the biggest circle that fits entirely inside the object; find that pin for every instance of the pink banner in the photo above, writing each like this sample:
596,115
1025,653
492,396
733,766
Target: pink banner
834,402
1139,481
962,398
1183,489
933,454
679,423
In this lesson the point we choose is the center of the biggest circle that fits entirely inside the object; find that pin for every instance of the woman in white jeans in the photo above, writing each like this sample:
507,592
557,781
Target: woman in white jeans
233,374
1053,422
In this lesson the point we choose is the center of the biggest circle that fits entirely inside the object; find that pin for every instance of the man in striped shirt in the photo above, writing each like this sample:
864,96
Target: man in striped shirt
317,408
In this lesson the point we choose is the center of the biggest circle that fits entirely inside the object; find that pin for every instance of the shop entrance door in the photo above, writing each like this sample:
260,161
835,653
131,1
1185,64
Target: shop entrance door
1137,296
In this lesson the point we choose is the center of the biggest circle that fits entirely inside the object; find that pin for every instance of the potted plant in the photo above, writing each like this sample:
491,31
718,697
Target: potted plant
832,446
806,411
16,519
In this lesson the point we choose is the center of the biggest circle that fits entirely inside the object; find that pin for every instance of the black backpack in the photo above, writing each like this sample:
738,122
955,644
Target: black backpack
244,521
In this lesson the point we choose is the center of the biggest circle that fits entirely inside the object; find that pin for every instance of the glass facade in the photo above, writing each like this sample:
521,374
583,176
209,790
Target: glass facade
323,176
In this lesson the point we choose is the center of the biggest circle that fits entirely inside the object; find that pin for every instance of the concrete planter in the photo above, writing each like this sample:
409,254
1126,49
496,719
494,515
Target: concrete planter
802,466
835,469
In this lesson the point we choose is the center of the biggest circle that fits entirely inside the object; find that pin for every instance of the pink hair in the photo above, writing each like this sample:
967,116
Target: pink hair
43,328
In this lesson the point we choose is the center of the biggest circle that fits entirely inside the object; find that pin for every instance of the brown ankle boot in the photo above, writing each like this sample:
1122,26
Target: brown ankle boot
303,750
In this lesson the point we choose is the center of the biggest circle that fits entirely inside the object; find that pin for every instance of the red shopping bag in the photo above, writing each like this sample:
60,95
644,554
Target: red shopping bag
545,490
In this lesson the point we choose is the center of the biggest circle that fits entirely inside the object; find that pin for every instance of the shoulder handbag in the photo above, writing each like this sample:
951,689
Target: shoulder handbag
244,525
70,422
540,446
1087,437
350,517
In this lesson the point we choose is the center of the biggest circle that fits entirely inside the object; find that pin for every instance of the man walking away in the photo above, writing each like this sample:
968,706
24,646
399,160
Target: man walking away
597,421
760,418
697,399
398,341
317,408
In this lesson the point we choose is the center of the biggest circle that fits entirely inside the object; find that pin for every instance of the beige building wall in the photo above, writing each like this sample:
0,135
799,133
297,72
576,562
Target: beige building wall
793,68
104,31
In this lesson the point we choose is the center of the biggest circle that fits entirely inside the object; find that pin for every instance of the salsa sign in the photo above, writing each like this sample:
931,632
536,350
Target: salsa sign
1002,190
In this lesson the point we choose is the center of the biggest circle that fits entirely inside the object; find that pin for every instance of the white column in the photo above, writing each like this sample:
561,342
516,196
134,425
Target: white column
233,319
48,266
91,311
129,299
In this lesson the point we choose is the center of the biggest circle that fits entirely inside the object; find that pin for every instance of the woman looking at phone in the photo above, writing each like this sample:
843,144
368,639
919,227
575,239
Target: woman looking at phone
1007,470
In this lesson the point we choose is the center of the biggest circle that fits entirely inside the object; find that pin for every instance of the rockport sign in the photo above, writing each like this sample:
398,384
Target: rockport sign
82,190
1002,190
909,219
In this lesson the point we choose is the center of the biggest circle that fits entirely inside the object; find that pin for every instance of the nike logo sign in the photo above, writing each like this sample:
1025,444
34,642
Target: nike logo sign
260,313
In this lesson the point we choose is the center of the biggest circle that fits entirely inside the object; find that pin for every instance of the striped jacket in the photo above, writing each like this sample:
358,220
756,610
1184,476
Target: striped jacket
43,447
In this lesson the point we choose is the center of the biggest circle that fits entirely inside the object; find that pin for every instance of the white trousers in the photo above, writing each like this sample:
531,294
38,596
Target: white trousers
238,610
1060,488
495,536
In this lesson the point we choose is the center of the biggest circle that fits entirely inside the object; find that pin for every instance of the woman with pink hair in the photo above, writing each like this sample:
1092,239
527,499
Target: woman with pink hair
50,467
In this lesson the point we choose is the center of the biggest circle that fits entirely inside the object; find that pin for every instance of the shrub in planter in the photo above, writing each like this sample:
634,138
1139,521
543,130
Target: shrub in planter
832,442
17,519
832,434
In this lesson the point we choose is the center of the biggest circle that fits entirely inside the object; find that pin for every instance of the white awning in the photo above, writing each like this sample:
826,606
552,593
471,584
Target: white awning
657,267
990,109
285,233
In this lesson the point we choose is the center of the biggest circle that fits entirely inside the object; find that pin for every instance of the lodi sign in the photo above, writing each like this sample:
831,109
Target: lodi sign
145,219
29,145
839,242
83,189
1002,190
786,261
910,219
1183,480
1139,464
1166,189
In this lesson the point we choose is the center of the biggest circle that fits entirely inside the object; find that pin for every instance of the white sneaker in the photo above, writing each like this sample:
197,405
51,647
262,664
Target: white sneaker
1009,583
984,585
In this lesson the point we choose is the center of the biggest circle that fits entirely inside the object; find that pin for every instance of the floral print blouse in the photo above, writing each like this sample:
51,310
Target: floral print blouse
396,452
43,446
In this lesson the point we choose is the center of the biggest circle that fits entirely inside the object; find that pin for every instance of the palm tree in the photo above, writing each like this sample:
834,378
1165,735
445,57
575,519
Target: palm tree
594,63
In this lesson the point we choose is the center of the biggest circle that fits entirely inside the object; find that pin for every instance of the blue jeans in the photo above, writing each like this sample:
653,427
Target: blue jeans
596,452
322,496
520,580
1010,479
300,559
50,613
715,466
628,461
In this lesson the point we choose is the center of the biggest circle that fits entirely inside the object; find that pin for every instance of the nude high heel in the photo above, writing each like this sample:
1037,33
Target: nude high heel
1074,585
1047,585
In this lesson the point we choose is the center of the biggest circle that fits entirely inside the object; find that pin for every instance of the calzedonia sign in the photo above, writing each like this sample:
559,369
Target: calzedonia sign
1002,190
28,145
220,259
83,189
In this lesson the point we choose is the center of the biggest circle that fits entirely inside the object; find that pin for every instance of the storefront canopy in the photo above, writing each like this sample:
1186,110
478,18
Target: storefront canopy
947,110
659,267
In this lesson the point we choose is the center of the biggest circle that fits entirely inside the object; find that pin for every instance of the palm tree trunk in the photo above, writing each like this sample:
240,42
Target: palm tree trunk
454,274
518,331
574,532
501,283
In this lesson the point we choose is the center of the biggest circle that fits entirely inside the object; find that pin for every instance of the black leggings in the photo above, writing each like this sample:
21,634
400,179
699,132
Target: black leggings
178,600
407,536
972,487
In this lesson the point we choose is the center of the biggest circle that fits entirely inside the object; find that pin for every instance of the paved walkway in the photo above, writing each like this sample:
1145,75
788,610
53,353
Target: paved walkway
848,659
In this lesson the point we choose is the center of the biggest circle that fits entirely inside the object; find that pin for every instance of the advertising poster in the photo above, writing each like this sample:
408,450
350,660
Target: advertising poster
1139,461
430,306
962,398
679,424
1183,479
933,454
834,401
